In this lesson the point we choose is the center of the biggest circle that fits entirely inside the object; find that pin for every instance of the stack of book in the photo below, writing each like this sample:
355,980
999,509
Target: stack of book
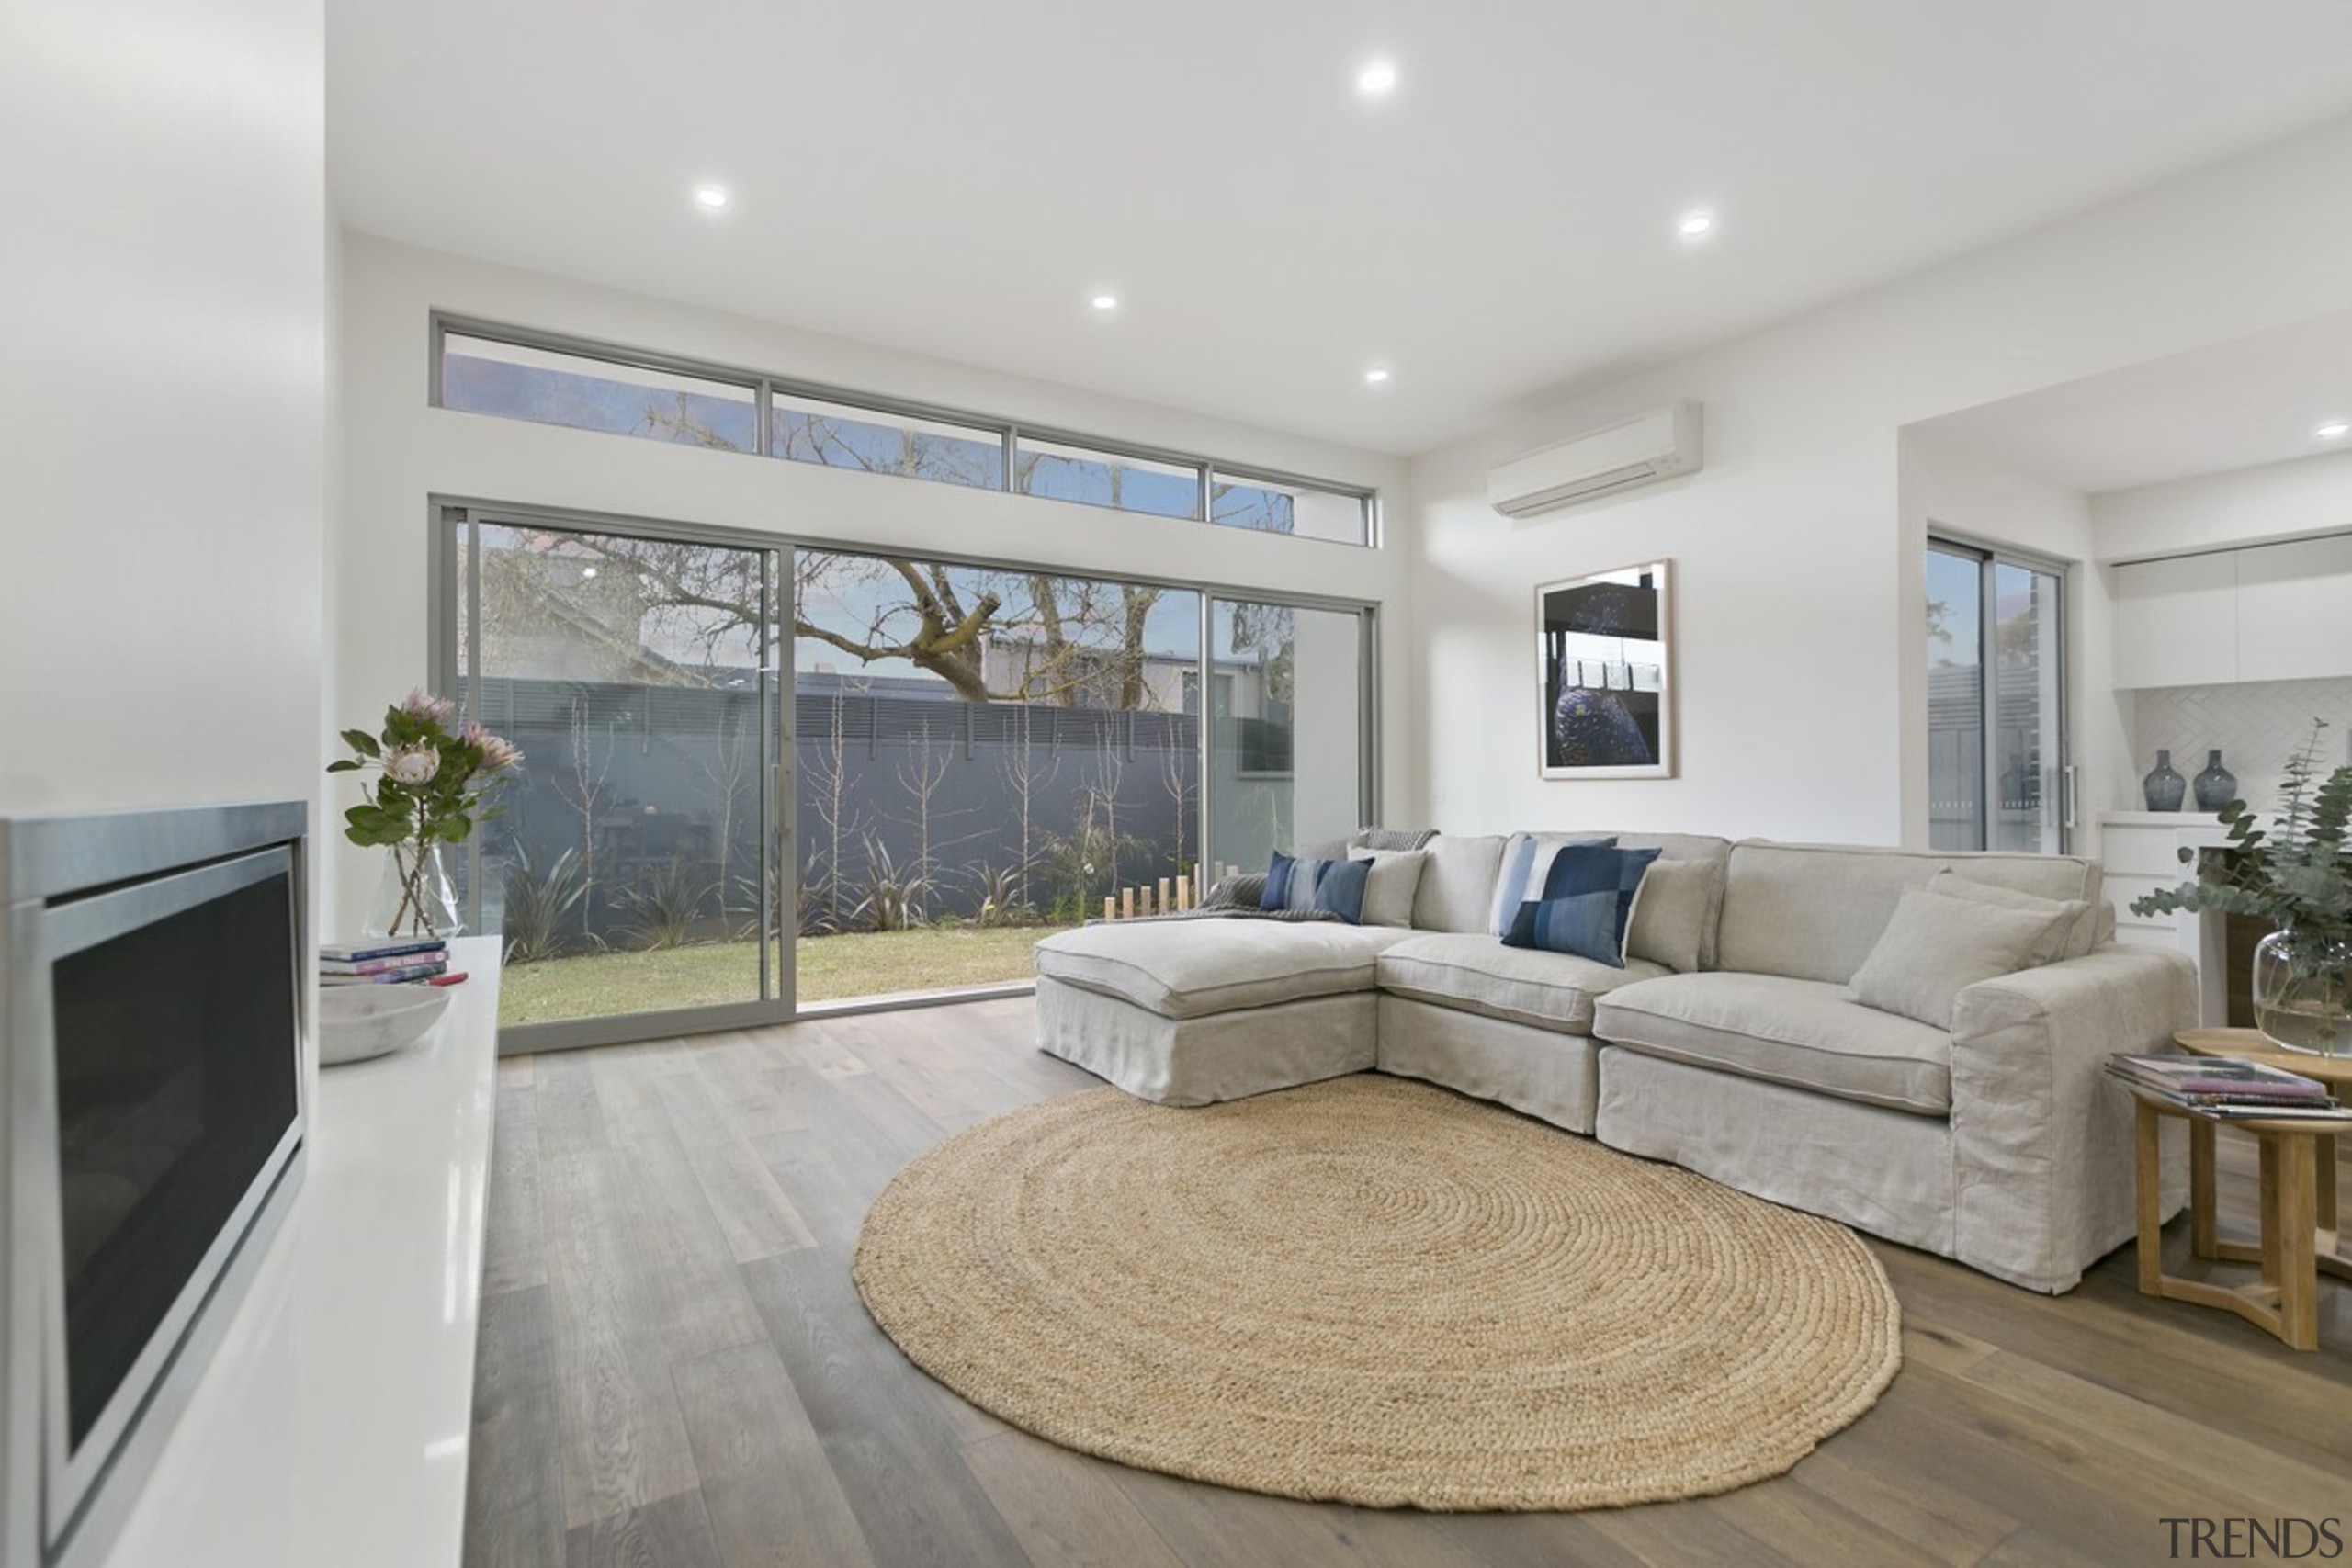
382,961
2230,1086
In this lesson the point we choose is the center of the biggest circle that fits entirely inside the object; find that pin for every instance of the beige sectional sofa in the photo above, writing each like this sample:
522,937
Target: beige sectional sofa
1730,1043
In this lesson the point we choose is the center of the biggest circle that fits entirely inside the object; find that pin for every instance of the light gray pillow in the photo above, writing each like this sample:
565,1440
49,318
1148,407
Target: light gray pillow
1936,947
1388,888
2074,937
1458,883
1675,907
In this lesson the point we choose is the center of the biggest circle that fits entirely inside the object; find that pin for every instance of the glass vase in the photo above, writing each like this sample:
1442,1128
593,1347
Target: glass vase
2216,787
413,895
2302,992
2163,788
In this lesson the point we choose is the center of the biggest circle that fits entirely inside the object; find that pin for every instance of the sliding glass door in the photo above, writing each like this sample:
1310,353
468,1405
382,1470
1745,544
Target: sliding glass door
983,756
635,871
1996,738
1287,751
760,779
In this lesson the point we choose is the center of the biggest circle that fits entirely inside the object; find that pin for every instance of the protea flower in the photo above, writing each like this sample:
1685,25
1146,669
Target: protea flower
412,765
421,704
435,779
496,752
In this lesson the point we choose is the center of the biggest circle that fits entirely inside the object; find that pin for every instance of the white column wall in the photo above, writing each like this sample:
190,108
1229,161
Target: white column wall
398,453
163,289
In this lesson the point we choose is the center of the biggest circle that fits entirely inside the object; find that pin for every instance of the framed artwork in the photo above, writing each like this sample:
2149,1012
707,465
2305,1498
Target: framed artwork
1603,679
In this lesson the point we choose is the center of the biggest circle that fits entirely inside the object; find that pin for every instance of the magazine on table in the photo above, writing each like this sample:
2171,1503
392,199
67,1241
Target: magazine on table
2245,1104
2227,1076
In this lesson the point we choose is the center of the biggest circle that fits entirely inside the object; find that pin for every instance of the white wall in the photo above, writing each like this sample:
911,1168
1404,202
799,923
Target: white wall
2243,506
164,290
1800,654
398,453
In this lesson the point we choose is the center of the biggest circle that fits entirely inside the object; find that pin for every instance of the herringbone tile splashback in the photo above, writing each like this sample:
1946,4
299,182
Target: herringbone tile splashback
2258,726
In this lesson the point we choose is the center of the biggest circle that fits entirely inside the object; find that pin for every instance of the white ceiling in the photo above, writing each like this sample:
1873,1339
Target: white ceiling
957,179
2233,405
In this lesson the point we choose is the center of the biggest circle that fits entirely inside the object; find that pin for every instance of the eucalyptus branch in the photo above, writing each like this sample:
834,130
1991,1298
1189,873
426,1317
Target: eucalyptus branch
2295,875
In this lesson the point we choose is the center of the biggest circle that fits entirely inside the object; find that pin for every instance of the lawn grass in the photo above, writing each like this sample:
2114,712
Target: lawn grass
832,968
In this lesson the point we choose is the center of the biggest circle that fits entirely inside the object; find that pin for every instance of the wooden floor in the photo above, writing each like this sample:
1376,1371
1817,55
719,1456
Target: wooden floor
675,1372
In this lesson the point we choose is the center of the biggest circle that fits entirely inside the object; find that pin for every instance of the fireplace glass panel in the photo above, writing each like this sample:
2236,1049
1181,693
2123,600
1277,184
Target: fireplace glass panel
175,1081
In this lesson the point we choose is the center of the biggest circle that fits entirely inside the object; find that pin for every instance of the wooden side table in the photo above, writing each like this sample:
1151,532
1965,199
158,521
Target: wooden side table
2298,1203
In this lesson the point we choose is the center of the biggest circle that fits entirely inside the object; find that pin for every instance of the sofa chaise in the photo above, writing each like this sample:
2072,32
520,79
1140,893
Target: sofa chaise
1961,1113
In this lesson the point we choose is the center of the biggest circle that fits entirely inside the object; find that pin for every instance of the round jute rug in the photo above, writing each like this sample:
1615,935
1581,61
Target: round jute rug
1372,1290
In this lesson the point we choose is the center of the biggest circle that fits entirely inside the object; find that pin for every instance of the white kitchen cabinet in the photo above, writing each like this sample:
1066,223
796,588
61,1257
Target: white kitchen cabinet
2176,621
2294,611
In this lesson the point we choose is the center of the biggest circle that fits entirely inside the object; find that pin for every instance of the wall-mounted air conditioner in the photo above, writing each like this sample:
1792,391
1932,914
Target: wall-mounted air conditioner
1655,446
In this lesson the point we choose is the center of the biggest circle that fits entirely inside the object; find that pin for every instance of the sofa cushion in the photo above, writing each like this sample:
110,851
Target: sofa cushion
1675,911
1192,968
1586,901
1813,912
1340,888
2070,938
1274,892
1936,947
1526,861
1458,883
1678,849
1388,891
1475,973
1800,1033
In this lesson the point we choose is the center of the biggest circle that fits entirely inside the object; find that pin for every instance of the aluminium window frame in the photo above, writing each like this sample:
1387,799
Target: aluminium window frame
446,513
1987,556
765,387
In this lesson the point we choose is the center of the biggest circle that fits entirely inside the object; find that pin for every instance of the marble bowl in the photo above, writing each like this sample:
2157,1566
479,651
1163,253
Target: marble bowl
359,1021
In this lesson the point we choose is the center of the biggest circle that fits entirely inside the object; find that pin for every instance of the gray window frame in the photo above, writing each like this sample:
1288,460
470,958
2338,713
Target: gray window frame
766,388
1987,556
449,514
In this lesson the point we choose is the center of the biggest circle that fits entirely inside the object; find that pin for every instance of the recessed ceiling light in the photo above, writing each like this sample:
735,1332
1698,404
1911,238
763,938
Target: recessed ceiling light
1696,225
1105,301
1376,376
1377,78
2334,430
710,198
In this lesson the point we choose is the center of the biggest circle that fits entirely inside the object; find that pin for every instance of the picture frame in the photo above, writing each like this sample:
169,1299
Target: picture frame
1604,680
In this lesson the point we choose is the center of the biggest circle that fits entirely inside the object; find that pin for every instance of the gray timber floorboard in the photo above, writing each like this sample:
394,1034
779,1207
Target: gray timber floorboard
675,1371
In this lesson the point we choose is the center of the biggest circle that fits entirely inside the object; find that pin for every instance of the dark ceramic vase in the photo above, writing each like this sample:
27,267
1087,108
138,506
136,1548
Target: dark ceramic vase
2163,787
2216,787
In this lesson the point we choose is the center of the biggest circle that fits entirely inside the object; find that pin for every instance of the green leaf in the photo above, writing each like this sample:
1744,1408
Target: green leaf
362,742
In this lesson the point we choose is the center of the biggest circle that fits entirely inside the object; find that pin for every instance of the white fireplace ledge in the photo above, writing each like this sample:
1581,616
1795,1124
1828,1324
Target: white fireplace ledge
332,1426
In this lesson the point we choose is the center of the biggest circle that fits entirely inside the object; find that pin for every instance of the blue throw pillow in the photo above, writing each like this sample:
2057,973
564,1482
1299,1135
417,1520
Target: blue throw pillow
1582,923
1278,875
1340,888
1588,899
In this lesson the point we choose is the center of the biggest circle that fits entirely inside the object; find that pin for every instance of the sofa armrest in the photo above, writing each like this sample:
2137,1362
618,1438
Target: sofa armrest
2043,1141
